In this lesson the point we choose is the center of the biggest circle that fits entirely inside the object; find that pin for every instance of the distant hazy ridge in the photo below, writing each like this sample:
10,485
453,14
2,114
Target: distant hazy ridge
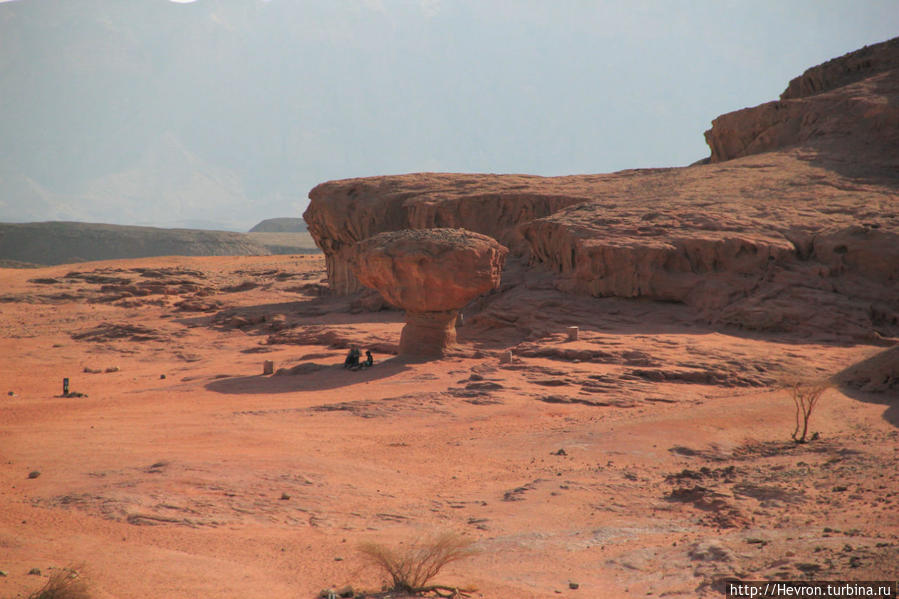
280,225
64,242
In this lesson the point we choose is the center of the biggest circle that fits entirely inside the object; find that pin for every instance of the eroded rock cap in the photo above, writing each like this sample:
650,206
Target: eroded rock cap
429,270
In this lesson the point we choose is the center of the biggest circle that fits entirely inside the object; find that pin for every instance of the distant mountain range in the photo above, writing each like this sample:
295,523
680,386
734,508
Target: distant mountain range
280,225
66,242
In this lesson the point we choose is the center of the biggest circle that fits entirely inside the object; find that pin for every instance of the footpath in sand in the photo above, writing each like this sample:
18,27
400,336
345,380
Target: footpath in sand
650,457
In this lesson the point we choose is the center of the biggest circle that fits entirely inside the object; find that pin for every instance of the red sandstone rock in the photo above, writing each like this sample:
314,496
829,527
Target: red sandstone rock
846,69
342,213
799,232
851,101
430,273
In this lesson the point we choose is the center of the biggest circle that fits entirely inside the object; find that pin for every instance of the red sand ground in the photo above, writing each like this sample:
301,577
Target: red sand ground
217,481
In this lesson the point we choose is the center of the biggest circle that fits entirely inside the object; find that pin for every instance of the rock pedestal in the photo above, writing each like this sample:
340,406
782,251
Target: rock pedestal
428,333
431,273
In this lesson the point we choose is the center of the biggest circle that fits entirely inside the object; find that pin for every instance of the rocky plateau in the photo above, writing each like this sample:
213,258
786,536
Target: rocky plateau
792,224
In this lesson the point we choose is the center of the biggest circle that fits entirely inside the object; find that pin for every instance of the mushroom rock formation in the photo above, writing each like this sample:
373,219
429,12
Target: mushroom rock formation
431,273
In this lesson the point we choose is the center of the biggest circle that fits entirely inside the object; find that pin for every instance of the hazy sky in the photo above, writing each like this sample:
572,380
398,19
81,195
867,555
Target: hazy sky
363,87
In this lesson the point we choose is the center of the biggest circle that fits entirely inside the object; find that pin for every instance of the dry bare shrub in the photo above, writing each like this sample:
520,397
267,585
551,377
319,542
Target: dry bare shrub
805,394
64,584
410,568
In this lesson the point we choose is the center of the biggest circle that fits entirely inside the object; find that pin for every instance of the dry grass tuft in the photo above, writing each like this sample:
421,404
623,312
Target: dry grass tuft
64,584
411,568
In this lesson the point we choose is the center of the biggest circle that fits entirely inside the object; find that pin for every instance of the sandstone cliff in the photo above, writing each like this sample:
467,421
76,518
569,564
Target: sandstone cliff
846,105
767,242
844,70
794,225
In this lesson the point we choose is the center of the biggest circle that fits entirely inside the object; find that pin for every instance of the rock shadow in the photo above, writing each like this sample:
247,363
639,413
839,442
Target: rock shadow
331,376
522,314
265,319
891,414
874,380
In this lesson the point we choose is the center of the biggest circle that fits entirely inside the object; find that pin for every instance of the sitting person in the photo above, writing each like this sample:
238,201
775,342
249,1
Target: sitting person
369,360
352,358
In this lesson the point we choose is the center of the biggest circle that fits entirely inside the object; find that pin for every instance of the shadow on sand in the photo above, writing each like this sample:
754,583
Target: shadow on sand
874,380
327,377
891,414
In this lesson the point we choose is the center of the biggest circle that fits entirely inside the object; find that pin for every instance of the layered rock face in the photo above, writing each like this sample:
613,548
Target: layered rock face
430,273
768,242
850,101
800,232
849,68
344,212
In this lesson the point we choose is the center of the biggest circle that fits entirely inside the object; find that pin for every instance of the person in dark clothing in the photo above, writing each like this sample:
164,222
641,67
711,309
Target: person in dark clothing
369,360
352,358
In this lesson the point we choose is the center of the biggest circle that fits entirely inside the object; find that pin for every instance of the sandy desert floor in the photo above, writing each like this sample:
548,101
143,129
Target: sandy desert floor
651,457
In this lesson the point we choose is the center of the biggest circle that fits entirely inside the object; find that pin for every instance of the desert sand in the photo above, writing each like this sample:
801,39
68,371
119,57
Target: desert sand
649,453
650,457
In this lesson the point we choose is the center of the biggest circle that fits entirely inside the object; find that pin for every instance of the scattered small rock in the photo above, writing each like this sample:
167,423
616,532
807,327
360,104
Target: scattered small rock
236,322
304,368
808,568
11,393
244,286
161,376
346,592
34,572
709,552
3,574
34,474
284,496
279,322
90,370
112,369
573,586
839,489
559,452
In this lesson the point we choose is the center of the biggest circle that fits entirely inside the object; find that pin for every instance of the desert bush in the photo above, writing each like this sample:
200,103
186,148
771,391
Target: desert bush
410,568
805,396
64,584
